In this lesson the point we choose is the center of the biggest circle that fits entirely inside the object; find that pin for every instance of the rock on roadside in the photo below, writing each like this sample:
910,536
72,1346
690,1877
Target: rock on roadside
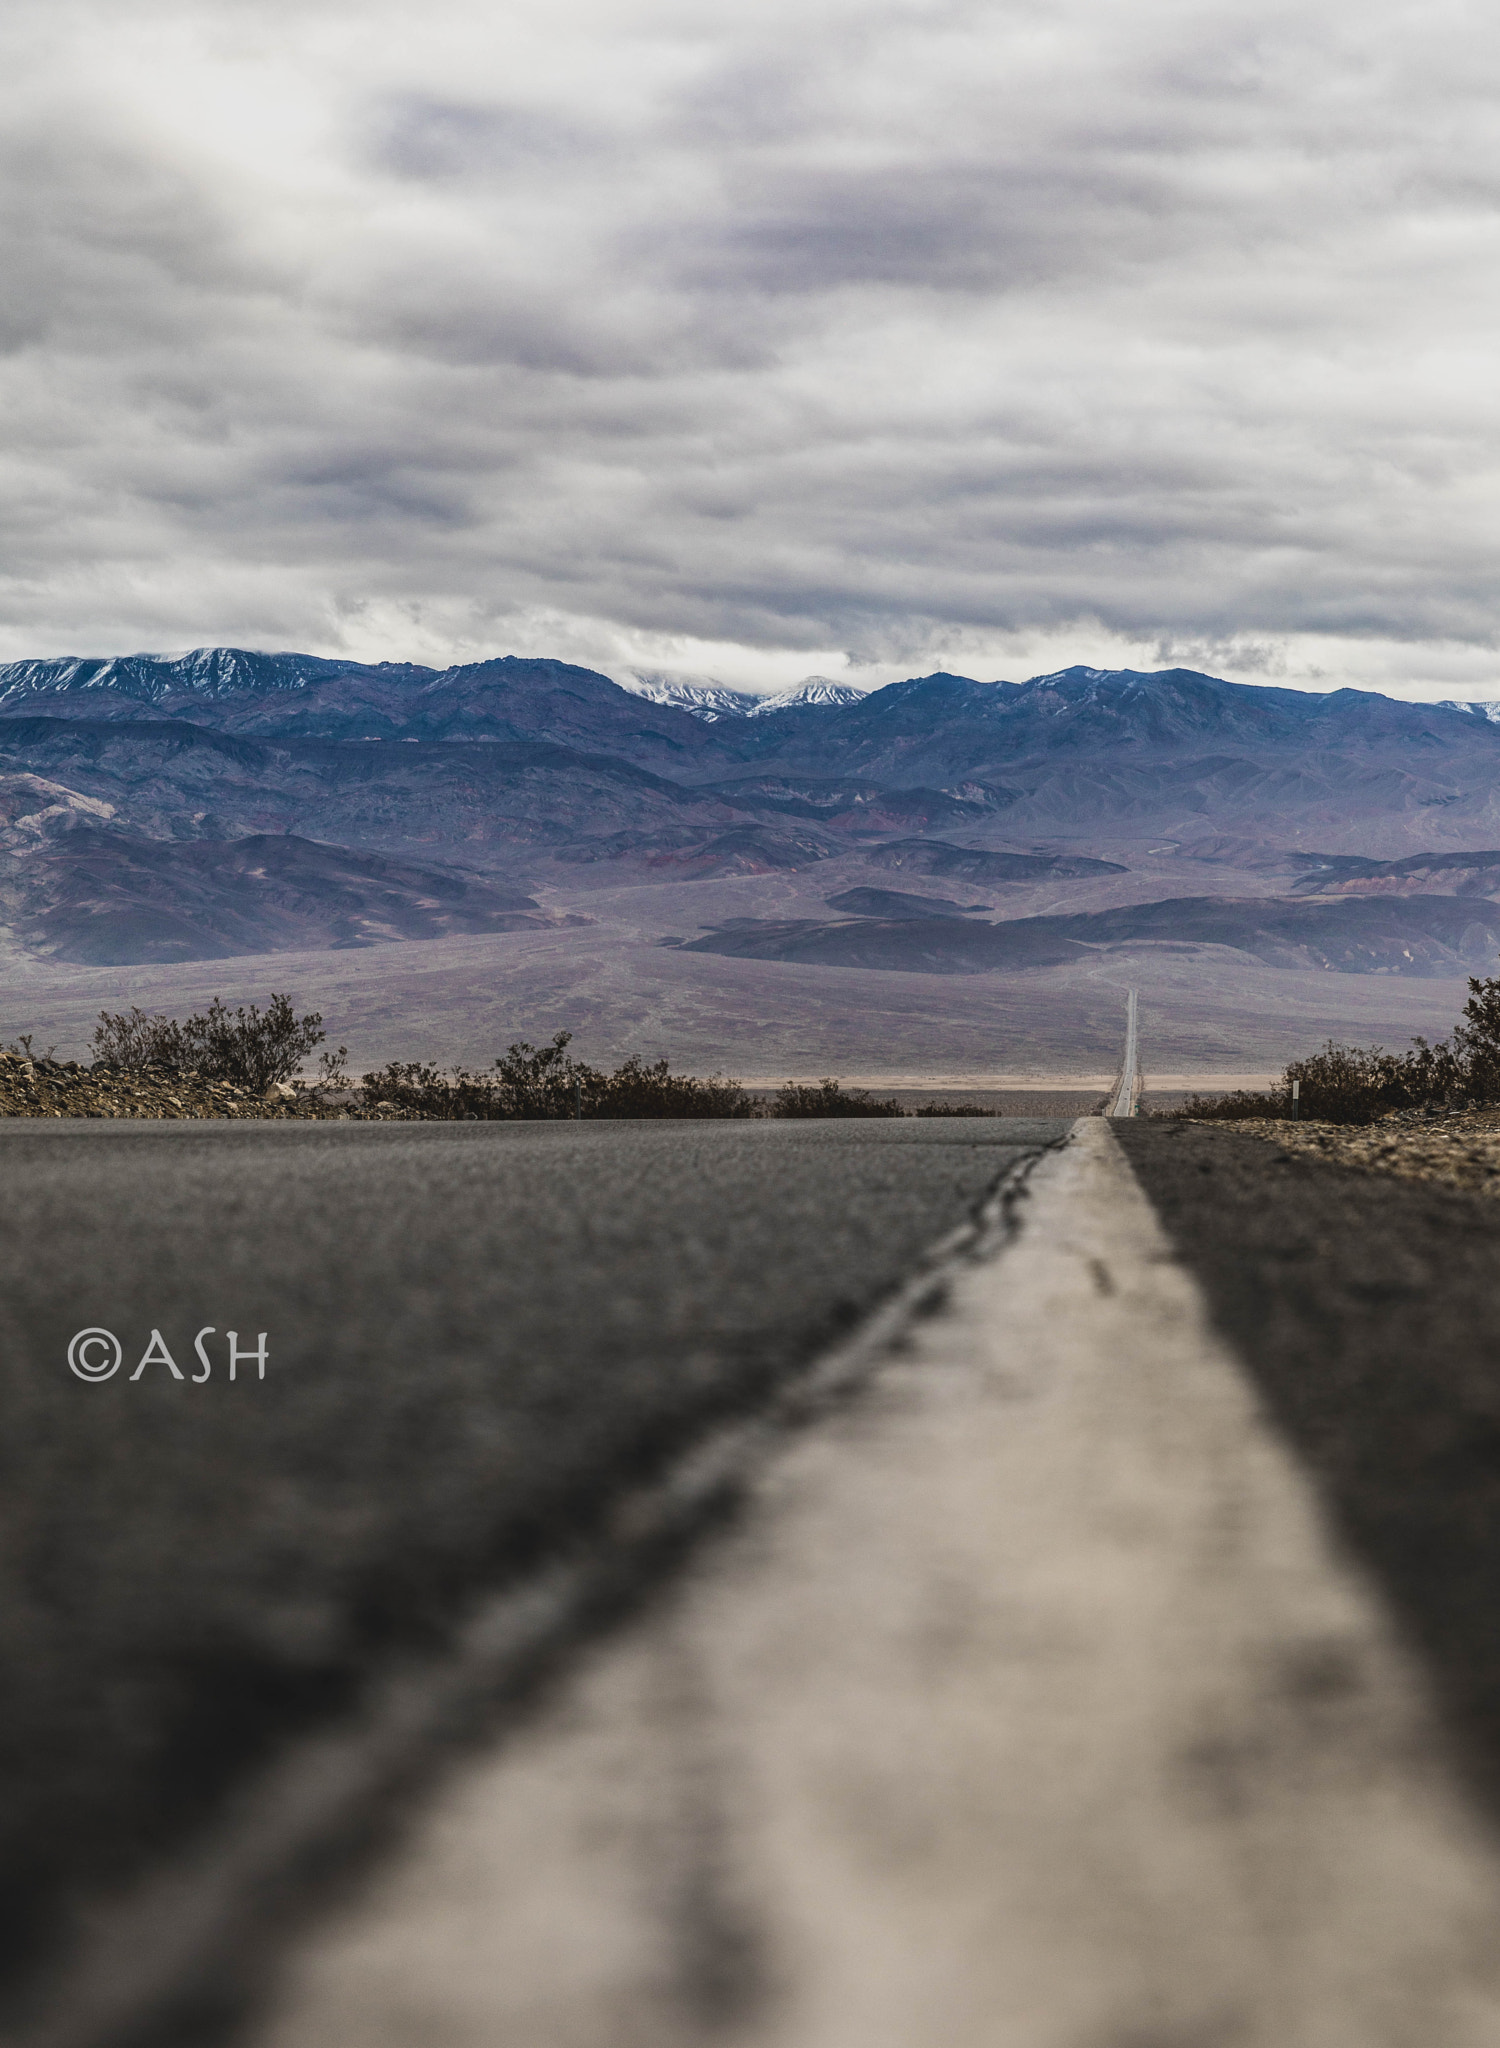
63,1088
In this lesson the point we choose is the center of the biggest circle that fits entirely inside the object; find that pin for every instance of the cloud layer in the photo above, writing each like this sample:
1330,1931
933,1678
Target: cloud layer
743,339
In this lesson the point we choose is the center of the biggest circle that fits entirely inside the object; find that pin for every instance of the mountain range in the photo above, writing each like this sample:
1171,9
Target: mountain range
391,801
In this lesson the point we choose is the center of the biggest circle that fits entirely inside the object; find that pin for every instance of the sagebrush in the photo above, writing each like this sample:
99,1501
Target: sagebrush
1352,1084
251,1048
544,1083
527,1083
830,1098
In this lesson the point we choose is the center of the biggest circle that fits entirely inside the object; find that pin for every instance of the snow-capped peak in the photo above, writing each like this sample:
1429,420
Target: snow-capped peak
709,699
811,690
704,696
1481,707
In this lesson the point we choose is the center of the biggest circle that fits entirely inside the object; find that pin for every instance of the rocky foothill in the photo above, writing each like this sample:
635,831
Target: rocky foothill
1458,1147
35,1086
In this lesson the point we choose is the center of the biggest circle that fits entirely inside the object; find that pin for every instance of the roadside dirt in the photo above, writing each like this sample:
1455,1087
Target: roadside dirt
64,1088
1460,1148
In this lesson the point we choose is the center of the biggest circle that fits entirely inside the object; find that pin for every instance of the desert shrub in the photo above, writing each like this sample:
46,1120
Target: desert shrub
1352,1084
830,1098
404,1084
547,1081
953,1109
419,1088
542,1082
1344,1084
528,1083
132,1039
1241,1104
250,1048
253,1048
1475,1051
532,1084
636,1090
333,1068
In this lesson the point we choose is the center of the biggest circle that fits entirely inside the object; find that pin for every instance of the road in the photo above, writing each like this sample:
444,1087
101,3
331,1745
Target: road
1144,1687
1035,1697
1126,1091
477,1337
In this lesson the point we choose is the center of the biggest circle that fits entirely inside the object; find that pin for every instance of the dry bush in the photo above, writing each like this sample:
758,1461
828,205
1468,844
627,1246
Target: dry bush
1353,1084
830,1098
421,1089
251,1048
1233,1108
636,1090
545,1084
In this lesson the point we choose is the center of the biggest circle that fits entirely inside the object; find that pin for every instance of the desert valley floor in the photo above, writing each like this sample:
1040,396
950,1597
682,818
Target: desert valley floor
1207,1011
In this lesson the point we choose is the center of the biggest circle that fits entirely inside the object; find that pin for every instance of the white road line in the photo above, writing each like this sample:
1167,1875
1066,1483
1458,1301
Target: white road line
1030,1706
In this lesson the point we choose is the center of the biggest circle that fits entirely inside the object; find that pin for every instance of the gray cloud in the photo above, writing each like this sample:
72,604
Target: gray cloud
456,140
893,328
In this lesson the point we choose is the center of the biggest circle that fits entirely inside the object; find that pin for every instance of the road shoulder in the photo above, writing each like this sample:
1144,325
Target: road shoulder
1364,1306
1457,1148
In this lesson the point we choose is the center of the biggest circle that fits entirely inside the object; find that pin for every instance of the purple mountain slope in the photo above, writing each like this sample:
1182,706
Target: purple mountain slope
1421,874
1055,754
292,695
1425,936
532,768
1174,753
204,676
98,899
167,779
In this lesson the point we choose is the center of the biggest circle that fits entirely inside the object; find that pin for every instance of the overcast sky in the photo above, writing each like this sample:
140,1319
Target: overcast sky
850,336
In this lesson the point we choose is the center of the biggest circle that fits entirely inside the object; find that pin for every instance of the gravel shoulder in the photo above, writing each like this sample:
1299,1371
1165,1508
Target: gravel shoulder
1459,1149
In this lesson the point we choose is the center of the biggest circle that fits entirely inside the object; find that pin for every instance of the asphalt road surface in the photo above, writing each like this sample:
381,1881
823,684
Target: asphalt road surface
1029,1699
477,1336
480,1338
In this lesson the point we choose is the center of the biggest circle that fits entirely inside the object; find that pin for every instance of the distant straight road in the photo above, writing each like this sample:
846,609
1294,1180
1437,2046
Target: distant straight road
476,1337
1122,1101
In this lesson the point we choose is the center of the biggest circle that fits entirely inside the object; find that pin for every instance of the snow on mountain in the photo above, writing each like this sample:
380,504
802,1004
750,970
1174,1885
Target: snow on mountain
703,696
1482,707
209,674
205,672
811,690
711,700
